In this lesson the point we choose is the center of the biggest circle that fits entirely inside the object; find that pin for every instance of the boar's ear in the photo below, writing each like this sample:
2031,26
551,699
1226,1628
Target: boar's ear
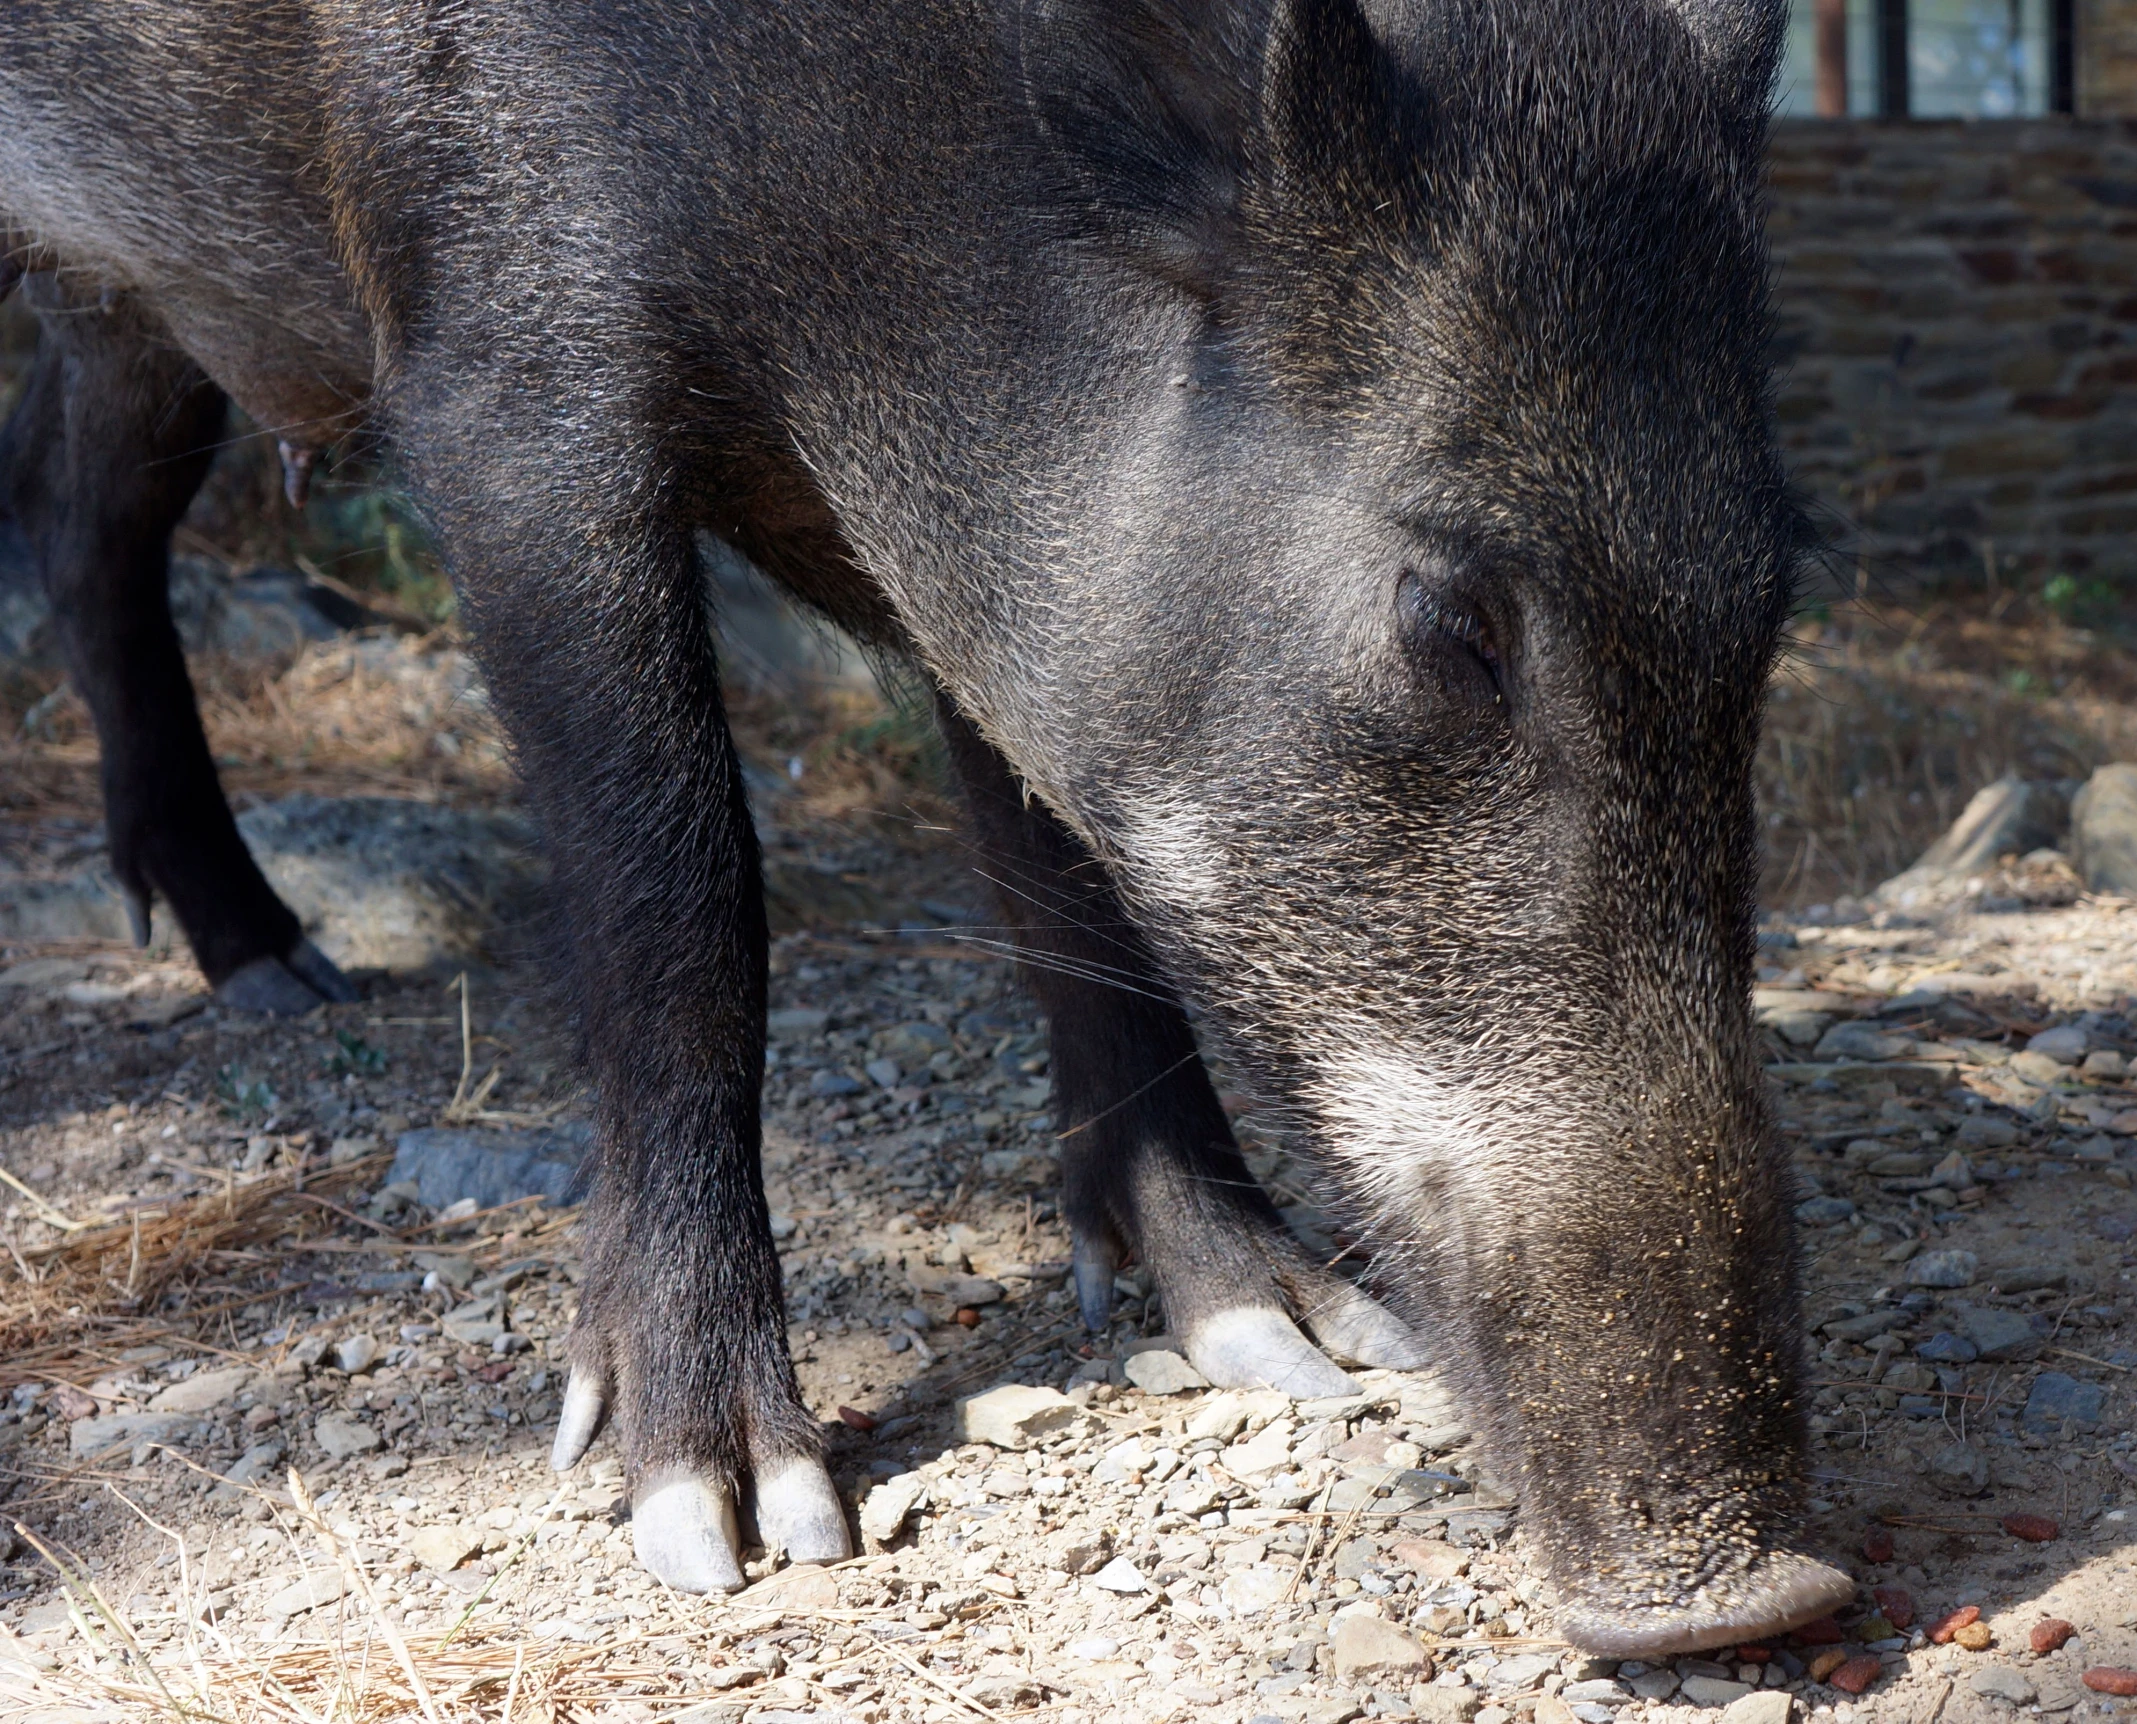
1141,110
1153,115
1740,42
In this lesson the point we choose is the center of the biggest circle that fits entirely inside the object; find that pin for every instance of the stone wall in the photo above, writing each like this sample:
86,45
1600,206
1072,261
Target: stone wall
2107,58
1959,306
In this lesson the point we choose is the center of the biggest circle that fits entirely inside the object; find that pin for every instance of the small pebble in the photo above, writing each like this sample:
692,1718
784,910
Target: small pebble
2112,1679
1877,1545
1945,1627
2033,1528
854,1417
1828,1661
1975,1637
1857,1674
968,1317
2049,1634
1896,1604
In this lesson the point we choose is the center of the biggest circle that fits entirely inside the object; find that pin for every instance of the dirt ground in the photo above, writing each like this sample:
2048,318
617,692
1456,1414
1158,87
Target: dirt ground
205,1288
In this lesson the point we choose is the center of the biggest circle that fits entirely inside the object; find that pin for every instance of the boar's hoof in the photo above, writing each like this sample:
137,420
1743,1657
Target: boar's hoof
585,1411
285,987
1780,1592
1360,1331
268,988
798,1511
317,971
1095,1265
684,1530
1258,1347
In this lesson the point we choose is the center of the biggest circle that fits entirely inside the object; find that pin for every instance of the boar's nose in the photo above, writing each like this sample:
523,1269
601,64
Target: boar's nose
1777,1593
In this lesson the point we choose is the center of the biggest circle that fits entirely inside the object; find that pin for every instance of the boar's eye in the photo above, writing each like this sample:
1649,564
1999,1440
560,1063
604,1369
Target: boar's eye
1450,638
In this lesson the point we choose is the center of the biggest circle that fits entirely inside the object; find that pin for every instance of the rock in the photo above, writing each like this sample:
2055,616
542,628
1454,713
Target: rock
94,1436
1998,1334
2003,1682
796,1023
1959,1470
1365,1646
1266,1452
1981,1131
1225,1416
1436,1705
1857,1041
804,1586
325,1586
2056,1397
1018,1415
2050,1635
2103,830
2112,1679
1258,1587
826,1084
883,1515
257,1463
203,1390
2032,1528
1856,1674
2105,1063
2009,817
1020,1166
2066,1044
1948,1349
957,1289
356,1354
1953,1173
1522,1671
2036,1068
1767,1706
343,1435
1825,1211
478,1323
1712,1690
1429,1559
488,1168
1951,1268
1653,1684
444,1548
1120,1575
1942,1630
1162,1372
913,1044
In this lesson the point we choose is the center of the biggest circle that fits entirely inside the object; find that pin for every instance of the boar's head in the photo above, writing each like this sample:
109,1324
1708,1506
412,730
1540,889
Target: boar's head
1426,621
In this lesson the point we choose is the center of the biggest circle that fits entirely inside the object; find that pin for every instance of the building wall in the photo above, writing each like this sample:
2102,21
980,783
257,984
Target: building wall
1959,338
2106,58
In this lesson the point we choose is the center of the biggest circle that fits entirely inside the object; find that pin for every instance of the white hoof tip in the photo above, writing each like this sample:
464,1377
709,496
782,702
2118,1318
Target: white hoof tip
578,1424
685,1535
799,1512
1258,1347
1364,1334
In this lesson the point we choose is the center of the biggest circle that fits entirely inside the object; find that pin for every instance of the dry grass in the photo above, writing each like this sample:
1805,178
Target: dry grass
73,1303
1883,723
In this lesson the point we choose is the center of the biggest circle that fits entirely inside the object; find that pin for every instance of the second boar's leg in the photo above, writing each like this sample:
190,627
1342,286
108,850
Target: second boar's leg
99,460
587,618
1148,1160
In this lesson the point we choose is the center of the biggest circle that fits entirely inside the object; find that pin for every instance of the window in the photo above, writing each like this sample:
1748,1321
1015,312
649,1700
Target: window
1928,59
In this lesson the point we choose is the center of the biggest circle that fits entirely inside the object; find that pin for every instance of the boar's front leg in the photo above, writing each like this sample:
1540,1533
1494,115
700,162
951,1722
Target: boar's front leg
590,629
1148,1160
99,460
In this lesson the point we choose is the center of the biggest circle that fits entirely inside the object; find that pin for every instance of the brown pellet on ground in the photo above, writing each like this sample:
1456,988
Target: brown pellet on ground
1942,1630
1826,1663
2049,1634
1975,1637
2112,1679
1857,1674
2033,1528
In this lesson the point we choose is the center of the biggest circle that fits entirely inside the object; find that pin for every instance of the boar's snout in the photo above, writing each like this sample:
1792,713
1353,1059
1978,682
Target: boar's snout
1781,1591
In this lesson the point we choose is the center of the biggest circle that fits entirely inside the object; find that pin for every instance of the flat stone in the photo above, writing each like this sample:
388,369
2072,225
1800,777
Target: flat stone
1859,1041
1365,1646
1959,1470
884,1513
1258,1587
1766,1706
2003,1682
92,1436
1952,1268
1712,1690
1984,1131
492,1167
2066,1044
1162,1372
1122,1576
323,1586
805,1586
1945,1348
2000,1335
2056,1397
1521,1672
343,1435
356,1354
203,1390
1825,1211
796,1023
444,1548
1868,1325
1436,1705
1267,1451
1017,1415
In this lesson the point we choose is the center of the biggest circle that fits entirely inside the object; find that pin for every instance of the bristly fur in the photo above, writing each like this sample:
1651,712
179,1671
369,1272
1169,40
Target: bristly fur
1320,453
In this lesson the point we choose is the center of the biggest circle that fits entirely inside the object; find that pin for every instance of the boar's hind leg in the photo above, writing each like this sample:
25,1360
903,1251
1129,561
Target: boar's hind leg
591,633
99,460
1148,1160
